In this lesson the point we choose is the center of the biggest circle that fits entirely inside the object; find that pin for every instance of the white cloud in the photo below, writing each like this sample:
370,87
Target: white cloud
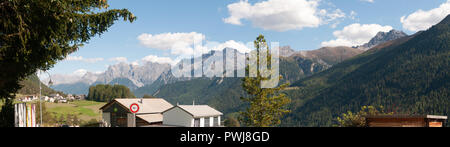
280,15
63,78
336,16
119,59
422,20
135,63
80,58
80,72
239,46
353,15
156,59
356,34
98,72
186,44
370,1
74,58
178,43
198,50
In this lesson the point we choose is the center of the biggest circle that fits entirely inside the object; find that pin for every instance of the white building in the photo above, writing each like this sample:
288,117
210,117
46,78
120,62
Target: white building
29,98
54,95
62,100
70,97
45,98
51,100
192,116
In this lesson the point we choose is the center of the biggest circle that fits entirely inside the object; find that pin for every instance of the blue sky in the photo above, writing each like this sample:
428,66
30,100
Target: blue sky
208,18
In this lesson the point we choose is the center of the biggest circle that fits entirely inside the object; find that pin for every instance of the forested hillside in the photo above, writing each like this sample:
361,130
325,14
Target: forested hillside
107,93
30,86
410,75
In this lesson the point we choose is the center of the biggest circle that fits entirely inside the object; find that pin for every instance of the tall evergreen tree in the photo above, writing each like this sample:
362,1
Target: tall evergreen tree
36,34
267,105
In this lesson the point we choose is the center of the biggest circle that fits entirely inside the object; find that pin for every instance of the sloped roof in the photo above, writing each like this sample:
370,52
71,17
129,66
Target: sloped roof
152,105
199,110
151,118
407,116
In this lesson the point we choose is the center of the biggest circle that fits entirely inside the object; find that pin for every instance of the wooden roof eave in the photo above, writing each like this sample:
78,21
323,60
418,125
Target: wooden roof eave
112,102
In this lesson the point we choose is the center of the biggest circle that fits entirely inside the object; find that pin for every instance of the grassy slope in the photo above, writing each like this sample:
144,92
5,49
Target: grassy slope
86,110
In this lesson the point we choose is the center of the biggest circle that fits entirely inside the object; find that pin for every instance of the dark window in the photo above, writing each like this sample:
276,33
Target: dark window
216,121
207,122
197,122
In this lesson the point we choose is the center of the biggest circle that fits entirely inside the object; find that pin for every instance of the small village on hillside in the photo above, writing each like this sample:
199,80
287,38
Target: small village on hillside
53,98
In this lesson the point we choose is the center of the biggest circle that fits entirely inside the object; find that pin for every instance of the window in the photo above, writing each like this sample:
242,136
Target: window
207,122
197,122
216,121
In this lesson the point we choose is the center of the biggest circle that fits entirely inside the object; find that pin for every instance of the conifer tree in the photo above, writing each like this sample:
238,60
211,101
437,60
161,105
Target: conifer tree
267,105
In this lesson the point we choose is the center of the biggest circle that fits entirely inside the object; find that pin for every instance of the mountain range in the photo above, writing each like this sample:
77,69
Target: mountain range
224,93
132,76
147,78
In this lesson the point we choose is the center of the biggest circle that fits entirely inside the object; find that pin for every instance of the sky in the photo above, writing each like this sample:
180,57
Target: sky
165,29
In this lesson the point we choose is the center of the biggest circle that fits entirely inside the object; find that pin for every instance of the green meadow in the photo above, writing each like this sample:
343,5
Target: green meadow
85,110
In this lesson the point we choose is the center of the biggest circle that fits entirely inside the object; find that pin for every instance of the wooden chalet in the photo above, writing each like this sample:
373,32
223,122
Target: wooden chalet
405,121
117,113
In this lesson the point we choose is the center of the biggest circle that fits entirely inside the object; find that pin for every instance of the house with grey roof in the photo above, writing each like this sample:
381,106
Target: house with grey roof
192,116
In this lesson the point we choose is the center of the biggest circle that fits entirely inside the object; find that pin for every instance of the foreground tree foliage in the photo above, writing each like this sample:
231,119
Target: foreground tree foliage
36,34
358,119
231,122
267,105
7,113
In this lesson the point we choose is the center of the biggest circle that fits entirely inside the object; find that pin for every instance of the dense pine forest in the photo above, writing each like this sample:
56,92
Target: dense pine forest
106,93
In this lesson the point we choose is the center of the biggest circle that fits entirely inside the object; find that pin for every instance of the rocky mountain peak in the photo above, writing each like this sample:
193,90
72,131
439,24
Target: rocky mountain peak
286,51
383,37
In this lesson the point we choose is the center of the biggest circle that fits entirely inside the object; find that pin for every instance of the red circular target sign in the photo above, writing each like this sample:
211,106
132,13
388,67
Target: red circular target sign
134,108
